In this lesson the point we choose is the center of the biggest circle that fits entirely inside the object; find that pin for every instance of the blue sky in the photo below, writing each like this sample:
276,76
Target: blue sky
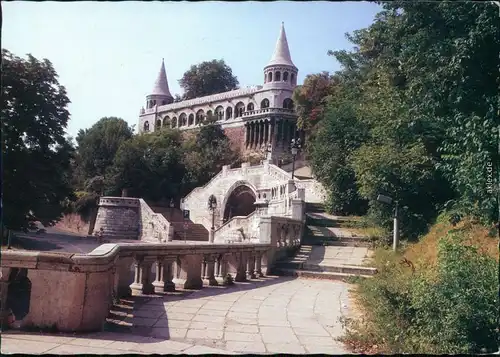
108,54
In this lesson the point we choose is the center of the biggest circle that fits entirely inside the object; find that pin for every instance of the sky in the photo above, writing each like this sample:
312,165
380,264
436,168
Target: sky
108,54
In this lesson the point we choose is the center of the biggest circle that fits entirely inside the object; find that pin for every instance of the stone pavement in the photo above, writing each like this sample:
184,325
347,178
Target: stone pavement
337,255
273,315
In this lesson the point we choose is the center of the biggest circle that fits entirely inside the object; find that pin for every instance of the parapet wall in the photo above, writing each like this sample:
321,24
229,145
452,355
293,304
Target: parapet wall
119,217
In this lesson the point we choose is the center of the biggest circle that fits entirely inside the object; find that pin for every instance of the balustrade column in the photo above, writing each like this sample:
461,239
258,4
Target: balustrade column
221,269
250,266
261,139
208,270
271,136
252,133
283,133
142,282
247,134
258,265
266,132
163,281
257,134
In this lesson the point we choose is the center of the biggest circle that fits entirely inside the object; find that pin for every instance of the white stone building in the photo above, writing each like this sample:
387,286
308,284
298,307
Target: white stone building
254,119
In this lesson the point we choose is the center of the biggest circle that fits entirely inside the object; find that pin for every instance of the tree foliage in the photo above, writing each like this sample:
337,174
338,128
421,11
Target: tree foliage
36,152
98,145
422,81
206,78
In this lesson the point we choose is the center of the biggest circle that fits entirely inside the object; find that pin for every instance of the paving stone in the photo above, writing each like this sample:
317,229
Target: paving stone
205,334
74,350
245,347
172,323
198,325
241,328
317,341
92,342
242,315
179,316
58,338
276,323
242,336
10,346
143,312
204,311
208,318
213,305
140,321
199,350
277,335
168,333
311,331
123,345
185,310
293,348
241,321
163,347
329,350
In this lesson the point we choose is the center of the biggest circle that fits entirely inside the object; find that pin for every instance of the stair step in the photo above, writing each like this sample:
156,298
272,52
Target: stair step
317,274
346,269
338,243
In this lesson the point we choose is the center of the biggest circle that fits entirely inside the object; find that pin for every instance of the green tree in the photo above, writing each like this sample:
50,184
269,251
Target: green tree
98,145
36,152
209,77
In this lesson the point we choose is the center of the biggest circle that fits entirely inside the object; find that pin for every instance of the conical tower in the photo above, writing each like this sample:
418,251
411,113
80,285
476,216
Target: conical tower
160,95
280,72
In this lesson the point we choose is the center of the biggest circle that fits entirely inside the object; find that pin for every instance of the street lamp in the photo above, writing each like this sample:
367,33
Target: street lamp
388,200
295,147
212,206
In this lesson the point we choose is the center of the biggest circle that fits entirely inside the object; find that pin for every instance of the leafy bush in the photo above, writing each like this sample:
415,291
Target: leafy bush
449,309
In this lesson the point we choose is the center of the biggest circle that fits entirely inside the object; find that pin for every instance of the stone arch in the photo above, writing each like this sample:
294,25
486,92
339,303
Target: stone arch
288,103
209,114
200,115
277,76
239,109
158,124
250,107
264,104
270,77
229,113
174,122
146,126
191,119
292,78
219,112
183,119
166,121
285,76
239,200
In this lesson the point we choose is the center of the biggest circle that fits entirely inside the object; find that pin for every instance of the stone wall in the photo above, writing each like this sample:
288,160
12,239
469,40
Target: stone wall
236,137
73,222
119,217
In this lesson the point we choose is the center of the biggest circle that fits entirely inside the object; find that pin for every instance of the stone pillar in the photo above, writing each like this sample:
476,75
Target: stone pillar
261,136
4,291
142,281
221,269
257,134
252,133
123,277
297,210
189,272
271,134
236,266
283,132
247,134
209,270
163,281
250,273
258,262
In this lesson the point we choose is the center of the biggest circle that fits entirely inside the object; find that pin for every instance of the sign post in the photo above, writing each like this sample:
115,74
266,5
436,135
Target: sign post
185,215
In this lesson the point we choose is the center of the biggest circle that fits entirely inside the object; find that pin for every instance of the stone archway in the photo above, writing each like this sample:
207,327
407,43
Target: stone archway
240,202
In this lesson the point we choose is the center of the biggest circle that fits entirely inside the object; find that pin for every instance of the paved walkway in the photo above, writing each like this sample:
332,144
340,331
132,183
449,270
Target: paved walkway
273,315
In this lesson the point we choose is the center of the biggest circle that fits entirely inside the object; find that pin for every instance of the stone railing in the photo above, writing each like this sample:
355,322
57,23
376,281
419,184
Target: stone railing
154,227
74,292
279,173
225,231
268,110
314,191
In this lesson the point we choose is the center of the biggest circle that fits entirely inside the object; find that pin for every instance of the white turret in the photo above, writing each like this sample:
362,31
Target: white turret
280,72
160,95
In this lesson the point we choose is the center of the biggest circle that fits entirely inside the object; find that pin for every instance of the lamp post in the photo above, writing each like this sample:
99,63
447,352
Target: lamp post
295,147
388,200
267,150
212,206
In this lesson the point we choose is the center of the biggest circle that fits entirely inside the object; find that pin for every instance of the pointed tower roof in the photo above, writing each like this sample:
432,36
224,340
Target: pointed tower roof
281,53
161,84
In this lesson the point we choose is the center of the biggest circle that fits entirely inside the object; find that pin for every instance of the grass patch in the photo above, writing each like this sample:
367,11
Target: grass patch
437,296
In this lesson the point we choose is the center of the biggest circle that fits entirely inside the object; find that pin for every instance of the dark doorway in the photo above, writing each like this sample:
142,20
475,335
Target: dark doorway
240,203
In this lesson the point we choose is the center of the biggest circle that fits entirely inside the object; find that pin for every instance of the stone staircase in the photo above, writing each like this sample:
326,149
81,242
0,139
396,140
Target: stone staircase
194,231
328,251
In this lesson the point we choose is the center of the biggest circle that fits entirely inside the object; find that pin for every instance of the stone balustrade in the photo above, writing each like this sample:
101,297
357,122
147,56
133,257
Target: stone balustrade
74,292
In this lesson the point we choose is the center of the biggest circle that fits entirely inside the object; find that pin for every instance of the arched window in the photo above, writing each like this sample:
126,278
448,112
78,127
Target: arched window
250,107
158,125
154,103
264,103
209,114
174,122
191,119
277,76
219,112
166,121
265,78
285,76
270,77
163,102
240,108
200,114
292,78
182,119
146,126
229,113
288,103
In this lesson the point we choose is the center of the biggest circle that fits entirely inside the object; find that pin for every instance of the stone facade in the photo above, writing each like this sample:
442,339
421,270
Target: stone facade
254,118
118,217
